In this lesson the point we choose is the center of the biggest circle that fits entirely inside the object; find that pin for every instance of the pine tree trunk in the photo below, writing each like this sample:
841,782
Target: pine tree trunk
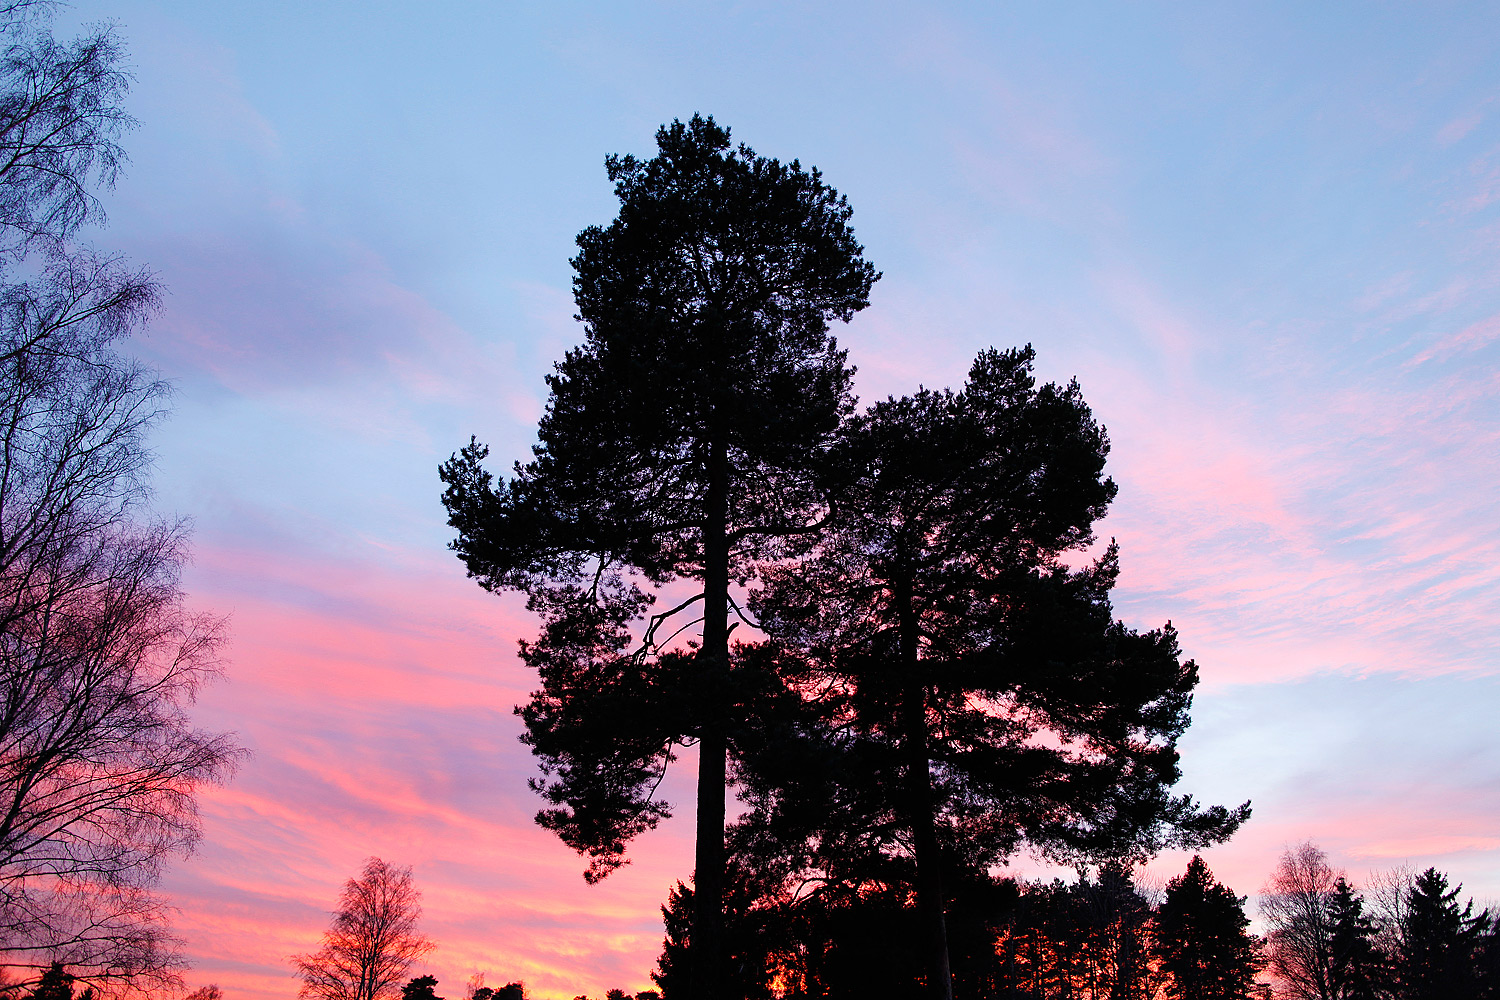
707,957
930,901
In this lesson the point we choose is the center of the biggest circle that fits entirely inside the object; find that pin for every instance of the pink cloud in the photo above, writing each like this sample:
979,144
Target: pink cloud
1470,338
380,724
1458,128
1427,845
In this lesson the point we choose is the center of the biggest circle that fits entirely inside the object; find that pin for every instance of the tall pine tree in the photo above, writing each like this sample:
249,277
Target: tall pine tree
678,443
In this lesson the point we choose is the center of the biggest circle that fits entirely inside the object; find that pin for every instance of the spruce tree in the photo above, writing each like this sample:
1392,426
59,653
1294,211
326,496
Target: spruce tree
1439,942
1356,968
1202,940
57,984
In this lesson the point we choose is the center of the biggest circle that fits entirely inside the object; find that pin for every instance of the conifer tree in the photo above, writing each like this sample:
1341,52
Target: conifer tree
56,984
1439,942
973,687
1356,969
678,443
421,988
1124,916
1202,940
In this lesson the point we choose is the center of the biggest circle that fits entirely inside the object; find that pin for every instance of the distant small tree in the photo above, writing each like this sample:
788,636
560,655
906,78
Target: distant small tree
55,984
421,988
373,941
510,991
1202,940
209,992
1297,903
616,994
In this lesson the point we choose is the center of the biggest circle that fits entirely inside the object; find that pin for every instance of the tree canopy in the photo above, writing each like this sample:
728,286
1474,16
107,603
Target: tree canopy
680,441
966,688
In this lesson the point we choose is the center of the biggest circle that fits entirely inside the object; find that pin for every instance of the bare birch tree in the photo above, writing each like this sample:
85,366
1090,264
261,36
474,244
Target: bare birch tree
99,656
373,941
60,124
1297,904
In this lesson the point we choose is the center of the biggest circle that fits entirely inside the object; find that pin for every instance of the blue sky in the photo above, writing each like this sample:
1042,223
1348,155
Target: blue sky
1262,236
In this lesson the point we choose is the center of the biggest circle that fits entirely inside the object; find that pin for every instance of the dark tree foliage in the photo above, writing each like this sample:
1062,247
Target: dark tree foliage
1440,943
833,941
746,943
1124,917
679,443
1356,969
510,991
1089,939
1487,959
853,944
421,988
967,689
55,984
1201,939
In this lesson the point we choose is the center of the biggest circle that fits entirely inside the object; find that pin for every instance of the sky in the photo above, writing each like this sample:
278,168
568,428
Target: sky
1263,237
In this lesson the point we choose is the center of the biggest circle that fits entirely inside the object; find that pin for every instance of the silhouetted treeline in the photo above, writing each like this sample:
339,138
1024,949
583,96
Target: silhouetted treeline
1100,937
1406,936
425,988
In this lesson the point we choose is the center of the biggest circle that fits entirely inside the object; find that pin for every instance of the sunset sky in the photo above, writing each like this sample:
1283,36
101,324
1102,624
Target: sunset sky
1264,237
